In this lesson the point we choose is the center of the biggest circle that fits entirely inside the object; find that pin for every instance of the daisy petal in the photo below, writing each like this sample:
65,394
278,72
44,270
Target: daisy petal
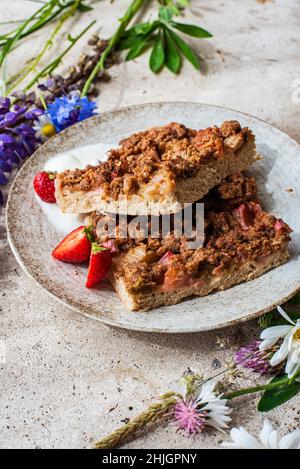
265,432
293,363
269,436
267,343
244,440
290,441
281,354
275,332
284,315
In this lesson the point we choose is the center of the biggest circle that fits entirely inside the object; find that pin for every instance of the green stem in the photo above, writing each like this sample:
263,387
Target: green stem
130,13
48,43
10,43
264,387
54,64
45,18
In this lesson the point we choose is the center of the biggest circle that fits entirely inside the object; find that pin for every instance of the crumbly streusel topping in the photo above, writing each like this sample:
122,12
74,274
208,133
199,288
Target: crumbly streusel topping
173,149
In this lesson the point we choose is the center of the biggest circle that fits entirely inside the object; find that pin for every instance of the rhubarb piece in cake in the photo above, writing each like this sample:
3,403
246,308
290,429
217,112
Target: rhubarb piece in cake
241,243
158,170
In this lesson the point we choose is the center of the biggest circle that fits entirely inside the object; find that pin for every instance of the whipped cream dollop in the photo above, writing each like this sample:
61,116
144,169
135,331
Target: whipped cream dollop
78,157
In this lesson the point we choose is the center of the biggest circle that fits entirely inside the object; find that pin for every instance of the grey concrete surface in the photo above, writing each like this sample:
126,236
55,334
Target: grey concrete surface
67,380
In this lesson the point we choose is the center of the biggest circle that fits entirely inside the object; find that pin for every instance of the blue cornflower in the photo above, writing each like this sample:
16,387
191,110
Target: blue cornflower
68,110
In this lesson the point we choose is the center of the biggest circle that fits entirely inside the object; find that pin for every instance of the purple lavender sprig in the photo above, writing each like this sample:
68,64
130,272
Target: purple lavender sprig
17,136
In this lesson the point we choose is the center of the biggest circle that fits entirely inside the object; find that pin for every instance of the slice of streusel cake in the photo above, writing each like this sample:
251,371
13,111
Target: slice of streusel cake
158,170
241,242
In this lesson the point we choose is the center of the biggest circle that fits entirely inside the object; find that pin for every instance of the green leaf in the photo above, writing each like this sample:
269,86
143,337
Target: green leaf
183,3
98,248
157,56
145,28
172,56
129,42
83,8
295,300
137,49
273,318
165,14
175,10
268,319
275,397
186,50
191,29
88,230
70,37
133,36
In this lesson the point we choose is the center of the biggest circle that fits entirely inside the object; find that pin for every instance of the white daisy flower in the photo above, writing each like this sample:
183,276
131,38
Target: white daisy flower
290,347
268,439
193,412
215,406
44,128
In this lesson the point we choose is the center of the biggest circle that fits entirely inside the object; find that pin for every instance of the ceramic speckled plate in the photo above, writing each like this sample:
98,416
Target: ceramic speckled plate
32,238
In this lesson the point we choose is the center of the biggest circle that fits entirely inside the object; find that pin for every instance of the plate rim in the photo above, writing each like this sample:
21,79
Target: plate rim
132,327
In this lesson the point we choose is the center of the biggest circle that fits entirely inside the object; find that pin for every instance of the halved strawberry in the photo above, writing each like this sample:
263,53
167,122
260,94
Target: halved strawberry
100,263
75,247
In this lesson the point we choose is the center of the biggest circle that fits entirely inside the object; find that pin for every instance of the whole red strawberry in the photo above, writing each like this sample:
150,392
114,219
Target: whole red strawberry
43,184
100,263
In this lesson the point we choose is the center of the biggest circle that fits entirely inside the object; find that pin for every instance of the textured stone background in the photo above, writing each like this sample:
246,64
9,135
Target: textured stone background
68,380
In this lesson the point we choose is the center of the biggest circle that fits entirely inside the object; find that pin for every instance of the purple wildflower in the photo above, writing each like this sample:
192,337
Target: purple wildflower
47,86
188,417
68,110
5,166
17,136
4,105
18,121
252,358
3,179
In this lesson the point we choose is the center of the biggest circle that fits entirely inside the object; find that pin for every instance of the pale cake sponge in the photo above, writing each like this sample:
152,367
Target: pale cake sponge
158,170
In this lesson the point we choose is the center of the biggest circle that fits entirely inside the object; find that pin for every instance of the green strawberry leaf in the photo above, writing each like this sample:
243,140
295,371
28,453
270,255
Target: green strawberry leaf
98,248
275,397
88,230
51,174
